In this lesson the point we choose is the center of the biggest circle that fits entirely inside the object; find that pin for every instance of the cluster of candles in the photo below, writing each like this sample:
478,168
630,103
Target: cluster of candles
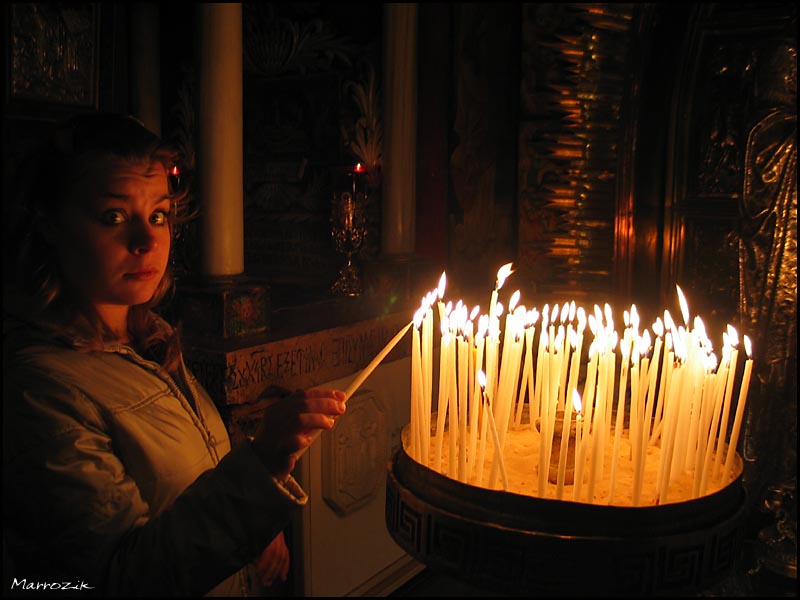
664,389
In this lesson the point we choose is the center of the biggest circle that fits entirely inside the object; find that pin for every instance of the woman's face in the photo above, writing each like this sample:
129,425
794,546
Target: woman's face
112,236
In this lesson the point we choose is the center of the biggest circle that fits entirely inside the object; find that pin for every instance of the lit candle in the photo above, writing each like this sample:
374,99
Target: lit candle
539,381
712,434
473,428
427,369
618,427
497,450
502,274
586,404
566,434
463,378
416,387
367,371
452,423
444,387
726,406
740,405
526,383
579,452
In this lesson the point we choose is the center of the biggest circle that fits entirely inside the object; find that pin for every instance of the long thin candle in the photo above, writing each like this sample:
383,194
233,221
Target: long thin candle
497,450
416,399
367,371
726,407
444,388
618,427
740,406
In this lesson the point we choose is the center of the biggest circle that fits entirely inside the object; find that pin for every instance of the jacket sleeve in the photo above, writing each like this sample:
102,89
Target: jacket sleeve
71,513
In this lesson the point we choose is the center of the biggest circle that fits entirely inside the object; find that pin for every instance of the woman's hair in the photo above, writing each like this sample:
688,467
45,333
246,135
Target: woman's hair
47,178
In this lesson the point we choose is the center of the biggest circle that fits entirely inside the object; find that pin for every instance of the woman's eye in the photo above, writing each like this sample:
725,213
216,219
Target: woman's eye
113,217
160,217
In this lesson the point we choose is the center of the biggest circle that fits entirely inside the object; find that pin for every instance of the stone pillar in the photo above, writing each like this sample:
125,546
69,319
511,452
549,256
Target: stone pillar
145,65
219,138
400,129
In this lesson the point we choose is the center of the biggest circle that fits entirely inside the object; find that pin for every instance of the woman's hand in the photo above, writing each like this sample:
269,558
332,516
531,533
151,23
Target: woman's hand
291,422
274,561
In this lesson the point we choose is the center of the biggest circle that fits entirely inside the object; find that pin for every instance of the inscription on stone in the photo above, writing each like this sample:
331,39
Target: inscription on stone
300,362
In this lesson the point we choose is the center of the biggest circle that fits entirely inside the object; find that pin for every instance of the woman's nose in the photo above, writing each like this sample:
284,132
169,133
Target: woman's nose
143,238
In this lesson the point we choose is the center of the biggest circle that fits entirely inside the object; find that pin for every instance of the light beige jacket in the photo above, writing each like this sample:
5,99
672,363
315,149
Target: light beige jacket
121,477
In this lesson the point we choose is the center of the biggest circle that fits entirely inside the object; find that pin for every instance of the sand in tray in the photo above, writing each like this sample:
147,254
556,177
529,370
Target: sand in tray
521,457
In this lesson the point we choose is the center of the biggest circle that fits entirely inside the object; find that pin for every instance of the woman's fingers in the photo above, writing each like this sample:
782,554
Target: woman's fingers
291,422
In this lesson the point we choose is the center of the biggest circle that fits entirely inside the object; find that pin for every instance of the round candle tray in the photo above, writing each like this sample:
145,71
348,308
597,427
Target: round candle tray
511,544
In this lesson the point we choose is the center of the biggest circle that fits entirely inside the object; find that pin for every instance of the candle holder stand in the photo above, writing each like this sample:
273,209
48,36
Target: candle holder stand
348,230
555,453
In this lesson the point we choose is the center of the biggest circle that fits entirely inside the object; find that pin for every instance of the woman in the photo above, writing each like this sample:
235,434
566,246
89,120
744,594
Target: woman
118,472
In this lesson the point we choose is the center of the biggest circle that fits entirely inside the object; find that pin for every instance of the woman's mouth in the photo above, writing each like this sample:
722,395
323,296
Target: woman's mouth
143,275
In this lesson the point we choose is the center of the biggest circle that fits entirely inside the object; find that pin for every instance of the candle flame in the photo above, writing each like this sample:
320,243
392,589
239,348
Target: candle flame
502,274
474,314
564,312
734,335
625,348
598,315
513,301
684,305
634,318
581,319
572,310
700,328
442,284
593,324
418,316
748,347
481,379
554,314
359,168
668,322
498,310
658,327
576,401
174,171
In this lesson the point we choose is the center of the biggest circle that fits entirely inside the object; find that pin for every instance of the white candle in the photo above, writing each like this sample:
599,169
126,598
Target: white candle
619,425
578,428
444,389
726,406
463,379
452,400
427,370
416,391
740,406
566,433
586,404
722,373
475,404
497,450
525,383
367,371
